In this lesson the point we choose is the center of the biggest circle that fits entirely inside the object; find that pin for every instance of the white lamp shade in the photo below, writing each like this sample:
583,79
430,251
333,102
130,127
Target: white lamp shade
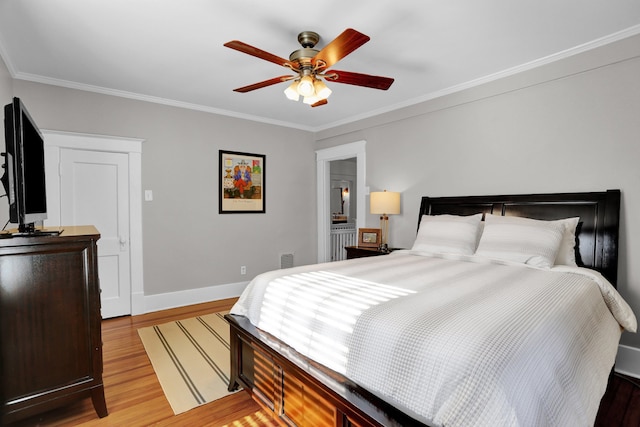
305,86
291,92
322,91
385,202
310,99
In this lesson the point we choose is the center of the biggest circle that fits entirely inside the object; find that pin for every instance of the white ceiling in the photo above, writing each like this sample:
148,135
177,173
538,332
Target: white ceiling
171,51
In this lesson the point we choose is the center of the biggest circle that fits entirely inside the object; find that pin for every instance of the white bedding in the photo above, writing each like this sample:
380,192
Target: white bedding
452,341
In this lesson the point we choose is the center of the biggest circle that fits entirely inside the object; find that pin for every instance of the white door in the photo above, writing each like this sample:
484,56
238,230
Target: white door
94,190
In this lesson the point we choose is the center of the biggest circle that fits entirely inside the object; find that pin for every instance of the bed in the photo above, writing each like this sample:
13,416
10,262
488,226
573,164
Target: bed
462,330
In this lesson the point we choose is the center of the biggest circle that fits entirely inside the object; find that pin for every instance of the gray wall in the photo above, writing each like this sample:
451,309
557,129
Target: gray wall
569,126
6,93
6,90
186,243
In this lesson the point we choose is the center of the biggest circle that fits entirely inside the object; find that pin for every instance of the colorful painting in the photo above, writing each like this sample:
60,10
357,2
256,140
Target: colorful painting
241,182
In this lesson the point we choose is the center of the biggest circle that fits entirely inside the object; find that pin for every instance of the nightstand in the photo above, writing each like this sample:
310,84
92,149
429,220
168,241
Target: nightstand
360,252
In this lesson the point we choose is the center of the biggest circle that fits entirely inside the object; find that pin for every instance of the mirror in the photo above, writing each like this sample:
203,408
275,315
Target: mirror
340,195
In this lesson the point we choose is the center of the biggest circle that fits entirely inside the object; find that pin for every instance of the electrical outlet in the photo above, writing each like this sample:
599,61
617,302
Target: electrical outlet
243,269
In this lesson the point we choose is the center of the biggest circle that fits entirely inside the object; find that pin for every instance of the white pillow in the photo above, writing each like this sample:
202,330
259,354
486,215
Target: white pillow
567,252
525,240
450,234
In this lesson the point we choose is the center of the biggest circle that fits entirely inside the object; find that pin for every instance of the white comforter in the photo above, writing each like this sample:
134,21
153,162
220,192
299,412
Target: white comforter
452,342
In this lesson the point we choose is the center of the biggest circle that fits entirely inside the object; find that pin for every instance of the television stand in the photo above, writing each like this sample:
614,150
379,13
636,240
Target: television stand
54,362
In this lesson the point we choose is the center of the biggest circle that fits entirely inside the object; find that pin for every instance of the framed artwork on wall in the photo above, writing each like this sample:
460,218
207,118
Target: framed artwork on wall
369,237
242,181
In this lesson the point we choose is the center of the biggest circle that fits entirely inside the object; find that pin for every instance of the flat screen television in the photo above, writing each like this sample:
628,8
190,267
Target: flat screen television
24,174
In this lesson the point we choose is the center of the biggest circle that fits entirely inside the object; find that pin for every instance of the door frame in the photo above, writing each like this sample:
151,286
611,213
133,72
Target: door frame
323,182
54,141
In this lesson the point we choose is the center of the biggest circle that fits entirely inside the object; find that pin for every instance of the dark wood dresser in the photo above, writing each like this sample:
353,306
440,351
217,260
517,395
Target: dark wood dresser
50,339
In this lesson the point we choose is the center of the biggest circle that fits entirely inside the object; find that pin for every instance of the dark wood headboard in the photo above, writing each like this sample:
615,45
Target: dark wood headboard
597,233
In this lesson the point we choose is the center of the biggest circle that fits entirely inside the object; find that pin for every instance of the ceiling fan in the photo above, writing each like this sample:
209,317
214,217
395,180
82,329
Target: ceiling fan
312,67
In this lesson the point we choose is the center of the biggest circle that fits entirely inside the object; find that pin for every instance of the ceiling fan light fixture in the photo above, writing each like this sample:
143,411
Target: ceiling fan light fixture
291,92
305,87
312,66
322,90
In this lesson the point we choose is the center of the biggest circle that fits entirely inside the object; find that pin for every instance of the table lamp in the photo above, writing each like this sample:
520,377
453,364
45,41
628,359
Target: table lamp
384,203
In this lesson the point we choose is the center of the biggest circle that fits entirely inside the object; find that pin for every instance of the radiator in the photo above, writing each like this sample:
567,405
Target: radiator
342,235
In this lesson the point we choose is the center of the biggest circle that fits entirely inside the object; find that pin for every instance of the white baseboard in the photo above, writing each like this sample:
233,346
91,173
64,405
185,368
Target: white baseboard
137,303
150,303
628,361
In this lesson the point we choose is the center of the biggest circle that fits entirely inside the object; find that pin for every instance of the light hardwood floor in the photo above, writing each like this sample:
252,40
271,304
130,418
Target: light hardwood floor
133,393
135,398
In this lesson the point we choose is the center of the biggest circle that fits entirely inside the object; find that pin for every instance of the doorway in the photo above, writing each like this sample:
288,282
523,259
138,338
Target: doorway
323,167
96,180
343,200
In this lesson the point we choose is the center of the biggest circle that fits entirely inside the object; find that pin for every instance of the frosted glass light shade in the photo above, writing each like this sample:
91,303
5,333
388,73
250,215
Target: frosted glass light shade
291,92
322,91
305,87
311,99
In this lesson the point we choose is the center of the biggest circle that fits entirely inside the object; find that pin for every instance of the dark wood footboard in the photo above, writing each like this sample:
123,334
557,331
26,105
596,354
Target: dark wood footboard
297,391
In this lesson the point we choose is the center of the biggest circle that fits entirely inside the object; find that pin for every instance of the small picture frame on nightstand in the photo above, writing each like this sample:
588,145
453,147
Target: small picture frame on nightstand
369,237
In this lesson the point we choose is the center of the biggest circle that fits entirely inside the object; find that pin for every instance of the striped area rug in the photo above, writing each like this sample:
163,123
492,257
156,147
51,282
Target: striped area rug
190,358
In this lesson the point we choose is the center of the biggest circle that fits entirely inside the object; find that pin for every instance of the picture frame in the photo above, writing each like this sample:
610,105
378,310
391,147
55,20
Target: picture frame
369,237
241,186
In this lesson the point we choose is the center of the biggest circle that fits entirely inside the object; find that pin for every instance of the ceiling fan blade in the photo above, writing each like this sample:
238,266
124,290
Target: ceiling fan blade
366,80
259,53
340,47
265,83
319,103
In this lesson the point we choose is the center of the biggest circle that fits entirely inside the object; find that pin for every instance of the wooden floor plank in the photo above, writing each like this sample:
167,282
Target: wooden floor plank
620,405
